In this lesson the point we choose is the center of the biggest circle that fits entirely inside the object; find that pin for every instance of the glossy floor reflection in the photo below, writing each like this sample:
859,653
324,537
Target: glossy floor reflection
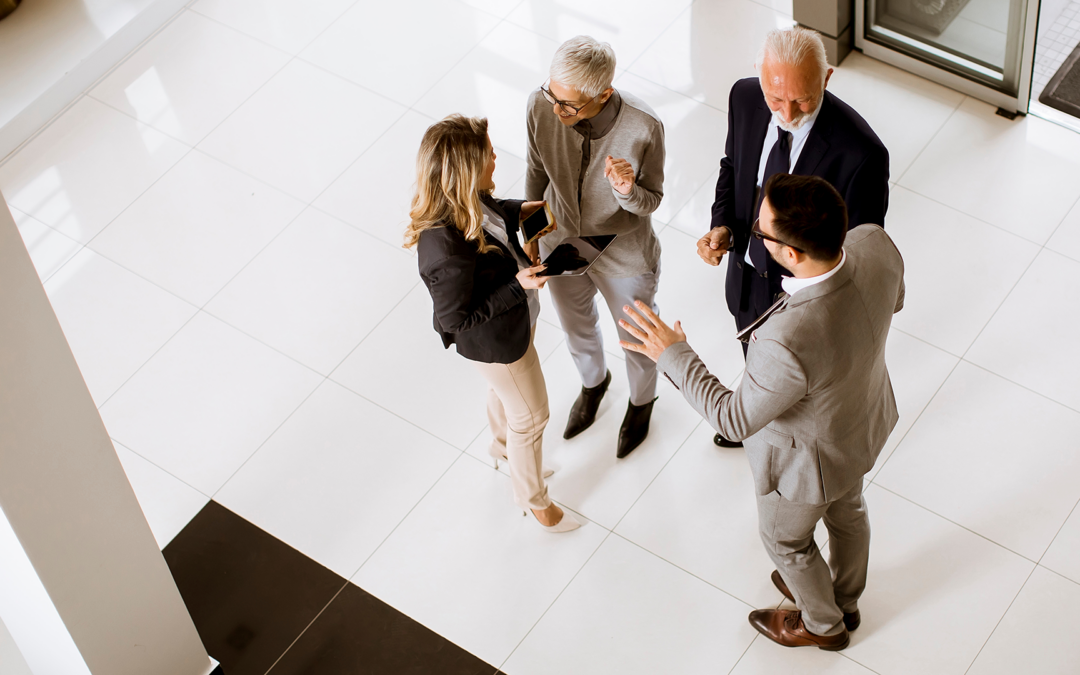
218,225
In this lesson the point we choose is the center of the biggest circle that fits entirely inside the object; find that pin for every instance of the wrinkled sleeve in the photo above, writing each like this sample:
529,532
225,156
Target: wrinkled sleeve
773,382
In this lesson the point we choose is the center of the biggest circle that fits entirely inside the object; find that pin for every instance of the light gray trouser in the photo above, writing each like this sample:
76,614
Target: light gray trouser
787,529
575,303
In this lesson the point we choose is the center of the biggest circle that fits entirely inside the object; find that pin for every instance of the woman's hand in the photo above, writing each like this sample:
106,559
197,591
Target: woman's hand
620,174
529,208
532,251
528,279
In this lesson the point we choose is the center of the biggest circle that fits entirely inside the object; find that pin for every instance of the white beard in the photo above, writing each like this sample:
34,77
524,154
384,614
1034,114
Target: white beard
792,126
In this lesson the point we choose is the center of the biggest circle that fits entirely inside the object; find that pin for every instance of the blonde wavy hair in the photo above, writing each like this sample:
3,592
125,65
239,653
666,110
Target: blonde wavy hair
453,155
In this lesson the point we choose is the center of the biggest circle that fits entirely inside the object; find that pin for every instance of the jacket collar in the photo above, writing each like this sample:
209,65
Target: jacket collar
836,281
817,145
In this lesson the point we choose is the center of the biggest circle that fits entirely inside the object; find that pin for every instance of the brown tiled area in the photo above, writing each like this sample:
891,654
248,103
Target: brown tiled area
264,607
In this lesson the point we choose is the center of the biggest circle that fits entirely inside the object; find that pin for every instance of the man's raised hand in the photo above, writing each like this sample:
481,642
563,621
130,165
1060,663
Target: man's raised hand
654,334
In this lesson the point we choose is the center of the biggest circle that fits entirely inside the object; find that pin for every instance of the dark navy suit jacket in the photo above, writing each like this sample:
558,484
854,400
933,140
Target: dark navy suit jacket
841,148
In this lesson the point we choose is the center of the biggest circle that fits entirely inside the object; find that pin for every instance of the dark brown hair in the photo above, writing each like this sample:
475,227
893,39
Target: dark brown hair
808,213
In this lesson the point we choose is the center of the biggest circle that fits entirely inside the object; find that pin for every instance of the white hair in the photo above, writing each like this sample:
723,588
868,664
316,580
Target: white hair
794,47
585,64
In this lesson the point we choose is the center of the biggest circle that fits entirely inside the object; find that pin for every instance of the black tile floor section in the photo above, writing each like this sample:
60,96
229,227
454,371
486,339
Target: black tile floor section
263,607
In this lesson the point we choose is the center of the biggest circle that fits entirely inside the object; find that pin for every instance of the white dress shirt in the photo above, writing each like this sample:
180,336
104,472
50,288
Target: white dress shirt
798,142
792,285
496,227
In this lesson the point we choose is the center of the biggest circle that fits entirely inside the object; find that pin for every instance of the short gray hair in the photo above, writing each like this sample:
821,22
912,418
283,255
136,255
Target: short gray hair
585,64
793,47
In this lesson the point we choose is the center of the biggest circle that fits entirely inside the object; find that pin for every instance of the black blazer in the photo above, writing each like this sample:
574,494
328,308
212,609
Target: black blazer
841,148
479,304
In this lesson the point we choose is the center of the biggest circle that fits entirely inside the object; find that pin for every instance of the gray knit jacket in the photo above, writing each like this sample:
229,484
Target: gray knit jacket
554,163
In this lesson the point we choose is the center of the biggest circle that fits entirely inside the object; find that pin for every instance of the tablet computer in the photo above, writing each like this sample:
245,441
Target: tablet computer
541,222
575,255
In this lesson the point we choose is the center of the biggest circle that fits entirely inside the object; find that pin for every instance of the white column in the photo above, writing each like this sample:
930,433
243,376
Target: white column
68,501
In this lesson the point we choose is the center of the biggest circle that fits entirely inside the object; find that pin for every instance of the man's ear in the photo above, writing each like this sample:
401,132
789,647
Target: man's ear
606,94
825,84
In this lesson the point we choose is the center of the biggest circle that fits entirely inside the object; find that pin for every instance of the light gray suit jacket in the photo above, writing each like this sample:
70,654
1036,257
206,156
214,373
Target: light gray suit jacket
815,405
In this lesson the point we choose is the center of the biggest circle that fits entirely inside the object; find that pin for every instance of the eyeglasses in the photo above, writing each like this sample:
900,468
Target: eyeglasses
565,106
758,234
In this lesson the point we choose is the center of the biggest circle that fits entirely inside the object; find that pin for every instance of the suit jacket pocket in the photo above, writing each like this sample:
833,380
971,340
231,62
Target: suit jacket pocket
794,467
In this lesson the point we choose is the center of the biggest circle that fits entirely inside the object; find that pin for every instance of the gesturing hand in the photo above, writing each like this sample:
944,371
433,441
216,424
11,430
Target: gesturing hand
655,335
712,247
620,174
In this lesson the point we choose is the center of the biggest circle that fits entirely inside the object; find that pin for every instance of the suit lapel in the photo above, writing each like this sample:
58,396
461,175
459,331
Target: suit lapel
816,146
759,126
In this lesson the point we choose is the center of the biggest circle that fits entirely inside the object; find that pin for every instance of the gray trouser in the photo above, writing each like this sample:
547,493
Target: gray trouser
575,302
787,529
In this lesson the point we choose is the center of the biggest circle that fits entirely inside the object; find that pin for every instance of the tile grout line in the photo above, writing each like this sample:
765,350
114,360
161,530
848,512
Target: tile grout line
85,93
1021,386
949,520
963,359
1002,618
971,216
900,442
944,123
556,599
310,623
403,519
160,468
685,571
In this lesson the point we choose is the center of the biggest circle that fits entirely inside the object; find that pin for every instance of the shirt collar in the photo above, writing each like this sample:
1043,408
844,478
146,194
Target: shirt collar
792,285
803,131
598,126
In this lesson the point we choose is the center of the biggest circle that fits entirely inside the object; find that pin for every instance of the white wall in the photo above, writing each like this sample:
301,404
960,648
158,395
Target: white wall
68,501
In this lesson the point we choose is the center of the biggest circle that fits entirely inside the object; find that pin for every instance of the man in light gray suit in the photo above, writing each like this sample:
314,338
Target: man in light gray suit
815,405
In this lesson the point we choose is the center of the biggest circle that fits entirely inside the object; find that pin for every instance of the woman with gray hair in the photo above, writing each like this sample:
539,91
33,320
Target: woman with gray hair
596,155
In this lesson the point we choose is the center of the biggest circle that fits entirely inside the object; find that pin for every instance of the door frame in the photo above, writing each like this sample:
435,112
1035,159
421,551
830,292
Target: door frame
935,73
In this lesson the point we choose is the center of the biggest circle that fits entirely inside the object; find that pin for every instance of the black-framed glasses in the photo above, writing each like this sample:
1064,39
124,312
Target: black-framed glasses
565,106
758,234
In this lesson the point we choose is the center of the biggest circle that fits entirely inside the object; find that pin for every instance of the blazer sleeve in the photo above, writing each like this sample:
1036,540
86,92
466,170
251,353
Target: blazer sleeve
867,195
512,209
723,208
459,304
773,382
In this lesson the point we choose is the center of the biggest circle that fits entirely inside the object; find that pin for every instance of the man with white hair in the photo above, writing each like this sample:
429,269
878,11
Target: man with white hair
784,121
596,156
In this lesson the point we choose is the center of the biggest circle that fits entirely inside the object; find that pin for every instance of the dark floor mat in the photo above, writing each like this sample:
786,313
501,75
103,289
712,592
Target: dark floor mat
1063,91
259,603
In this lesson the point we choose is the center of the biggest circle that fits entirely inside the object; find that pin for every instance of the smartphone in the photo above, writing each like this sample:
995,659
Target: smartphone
538,224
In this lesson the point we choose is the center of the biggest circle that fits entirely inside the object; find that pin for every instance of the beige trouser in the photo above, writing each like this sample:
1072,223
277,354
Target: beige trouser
517,408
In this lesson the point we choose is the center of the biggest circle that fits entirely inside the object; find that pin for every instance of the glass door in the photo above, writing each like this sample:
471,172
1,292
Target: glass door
983,48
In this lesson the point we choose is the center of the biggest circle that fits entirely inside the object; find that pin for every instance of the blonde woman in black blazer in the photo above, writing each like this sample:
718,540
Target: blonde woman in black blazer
484,290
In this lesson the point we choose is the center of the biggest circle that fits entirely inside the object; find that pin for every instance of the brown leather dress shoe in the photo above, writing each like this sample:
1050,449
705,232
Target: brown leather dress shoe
851,621
785,627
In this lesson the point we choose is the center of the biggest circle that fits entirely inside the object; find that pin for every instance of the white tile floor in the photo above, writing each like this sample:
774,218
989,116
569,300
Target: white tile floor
218,222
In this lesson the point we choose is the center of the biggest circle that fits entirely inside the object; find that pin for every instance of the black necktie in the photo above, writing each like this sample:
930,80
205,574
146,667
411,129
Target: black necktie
779,161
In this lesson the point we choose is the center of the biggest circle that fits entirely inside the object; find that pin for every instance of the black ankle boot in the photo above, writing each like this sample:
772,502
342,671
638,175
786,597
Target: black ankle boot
722,442
583,412
635,427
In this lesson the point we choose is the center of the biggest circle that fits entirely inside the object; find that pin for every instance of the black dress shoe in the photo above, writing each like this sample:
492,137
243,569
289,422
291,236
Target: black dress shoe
635,427
851,619
725,443
583,412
